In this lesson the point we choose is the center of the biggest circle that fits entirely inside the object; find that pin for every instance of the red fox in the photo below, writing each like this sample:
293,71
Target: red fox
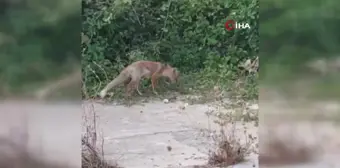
133,73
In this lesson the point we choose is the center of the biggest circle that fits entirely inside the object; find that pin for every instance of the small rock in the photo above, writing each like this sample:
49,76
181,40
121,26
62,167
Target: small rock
211,109
183,106
254,107
169,148
165,101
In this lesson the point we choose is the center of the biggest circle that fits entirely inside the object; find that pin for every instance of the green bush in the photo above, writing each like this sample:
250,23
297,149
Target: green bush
188,34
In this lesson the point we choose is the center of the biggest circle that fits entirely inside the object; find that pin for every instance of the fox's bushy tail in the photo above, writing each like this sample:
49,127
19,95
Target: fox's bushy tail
121,78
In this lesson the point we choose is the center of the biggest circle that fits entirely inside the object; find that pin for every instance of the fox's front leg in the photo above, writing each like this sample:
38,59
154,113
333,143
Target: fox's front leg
154,78
137,87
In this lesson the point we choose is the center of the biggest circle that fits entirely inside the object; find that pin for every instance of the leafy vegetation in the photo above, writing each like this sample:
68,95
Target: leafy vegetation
39,41
188,34
39,37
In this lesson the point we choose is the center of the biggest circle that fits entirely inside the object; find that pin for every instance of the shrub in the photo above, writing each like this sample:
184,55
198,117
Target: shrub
189,35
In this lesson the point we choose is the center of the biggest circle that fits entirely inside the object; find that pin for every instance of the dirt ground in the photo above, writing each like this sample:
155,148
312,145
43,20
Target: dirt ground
139,136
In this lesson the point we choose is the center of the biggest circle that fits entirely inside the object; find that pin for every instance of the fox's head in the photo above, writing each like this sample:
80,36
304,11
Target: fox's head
171,72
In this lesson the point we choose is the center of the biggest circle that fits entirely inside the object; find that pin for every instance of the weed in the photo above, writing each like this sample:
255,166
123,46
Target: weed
92,157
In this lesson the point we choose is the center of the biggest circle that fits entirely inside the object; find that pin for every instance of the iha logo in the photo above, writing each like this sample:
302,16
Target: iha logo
231,25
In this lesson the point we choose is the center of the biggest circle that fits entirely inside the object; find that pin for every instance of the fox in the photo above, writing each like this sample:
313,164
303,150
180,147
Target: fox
132,74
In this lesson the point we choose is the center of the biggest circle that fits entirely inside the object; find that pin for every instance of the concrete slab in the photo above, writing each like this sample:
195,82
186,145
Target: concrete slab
141,139
138,136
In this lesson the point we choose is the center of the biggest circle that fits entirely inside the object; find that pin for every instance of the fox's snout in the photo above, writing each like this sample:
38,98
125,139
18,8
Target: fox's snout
172,74
176,76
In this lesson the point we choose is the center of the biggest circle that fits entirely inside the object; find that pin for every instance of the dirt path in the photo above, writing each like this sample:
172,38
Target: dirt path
140,139
138,136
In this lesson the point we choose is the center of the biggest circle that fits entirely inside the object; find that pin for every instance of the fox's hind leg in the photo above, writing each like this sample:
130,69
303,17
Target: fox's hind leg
132,86
126,83
137,87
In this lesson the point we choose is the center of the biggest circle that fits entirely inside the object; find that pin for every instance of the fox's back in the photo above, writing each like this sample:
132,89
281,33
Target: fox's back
143,68
149,65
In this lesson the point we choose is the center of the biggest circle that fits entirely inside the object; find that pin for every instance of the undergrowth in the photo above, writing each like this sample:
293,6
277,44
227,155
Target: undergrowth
189,35
230,150
93,155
